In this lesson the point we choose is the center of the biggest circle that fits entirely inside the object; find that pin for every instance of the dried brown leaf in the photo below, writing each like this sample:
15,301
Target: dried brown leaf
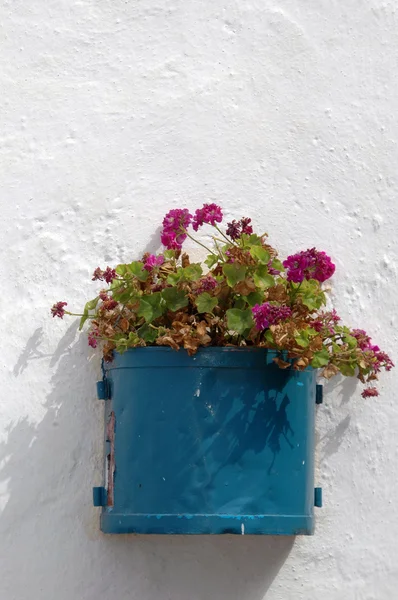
124,325
277,293
329,371
167,340
201,328
281,363
245,287
185,262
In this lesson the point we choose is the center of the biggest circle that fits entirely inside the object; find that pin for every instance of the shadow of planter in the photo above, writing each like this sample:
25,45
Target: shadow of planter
51,541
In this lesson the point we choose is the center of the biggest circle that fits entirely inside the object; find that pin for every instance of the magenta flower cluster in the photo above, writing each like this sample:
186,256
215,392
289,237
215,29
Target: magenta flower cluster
370,392
177,221
209,213
108,275
326,320
269,314
153,261
309,264
381,359
93,338
174,229
236,229
58,310
206,284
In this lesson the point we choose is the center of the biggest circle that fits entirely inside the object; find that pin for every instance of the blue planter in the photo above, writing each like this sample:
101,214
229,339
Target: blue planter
221,442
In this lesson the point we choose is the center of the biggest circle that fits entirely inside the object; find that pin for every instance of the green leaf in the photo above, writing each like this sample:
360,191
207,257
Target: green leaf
269,337
254,298
193,272
137,269
125,294
206,303
347,369
277,264
304,336
320,359
351,341
148,334
133,340
261,254
262,278
83,319
234,273
121,270
151,307
311,302
239,320
175,278
311,294
175,299
211,260
169,254
302,339
240,302
189,273
122,343
90,305
251,240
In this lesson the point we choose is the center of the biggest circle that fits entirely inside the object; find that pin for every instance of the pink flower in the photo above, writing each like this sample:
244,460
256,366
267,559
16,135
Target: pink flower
109,304
108,275
174,225
236,228
209,213
58,309
369,392
268,314
271,270
382,360
207,284
326,319
93,338
230,258
153,261
309,264
98,275
362,338
317,325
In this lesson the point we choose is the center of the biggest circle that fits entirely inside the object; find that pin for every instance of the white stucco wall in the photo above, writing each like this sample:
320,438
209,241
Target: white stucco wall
112,113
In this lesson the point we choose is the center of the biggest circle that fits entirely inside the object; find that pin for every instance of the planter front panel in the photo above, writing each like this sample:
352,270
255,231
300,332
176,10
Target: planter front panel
221,442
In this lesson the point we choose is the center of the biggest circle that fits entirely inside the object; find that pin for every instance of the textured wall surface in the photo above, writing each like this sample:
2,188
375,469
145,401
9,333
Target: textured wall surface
115,111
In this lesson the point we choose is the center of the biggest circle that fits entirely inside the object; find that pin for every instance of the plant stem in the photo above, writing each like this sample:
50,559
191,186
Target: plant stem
218,249
80,315
295,291
200,243
223,234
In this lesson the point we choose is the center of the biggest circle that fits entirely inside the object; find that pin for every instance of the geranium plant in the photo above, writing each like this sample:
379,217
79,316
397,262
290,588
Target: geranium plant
243,295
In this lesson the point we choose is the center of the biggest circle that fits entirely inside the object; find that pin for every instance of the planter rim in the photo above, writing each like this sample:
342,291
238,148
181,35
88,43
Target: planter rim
206,357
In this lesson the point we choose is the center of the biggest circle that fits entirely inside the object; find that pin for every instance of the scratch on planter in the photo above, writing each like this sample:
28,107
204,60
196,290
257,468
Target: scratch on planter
110,436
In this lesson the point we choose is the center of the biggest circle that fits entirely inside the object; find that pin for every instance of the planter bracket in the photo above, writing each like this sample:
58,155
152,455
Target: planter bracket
102,390
319,394
318,497
99,496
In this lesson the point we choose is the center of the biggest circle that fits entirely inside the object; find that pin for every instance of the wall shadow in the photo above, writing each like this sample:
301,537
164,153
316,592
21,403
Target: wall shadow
50,535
